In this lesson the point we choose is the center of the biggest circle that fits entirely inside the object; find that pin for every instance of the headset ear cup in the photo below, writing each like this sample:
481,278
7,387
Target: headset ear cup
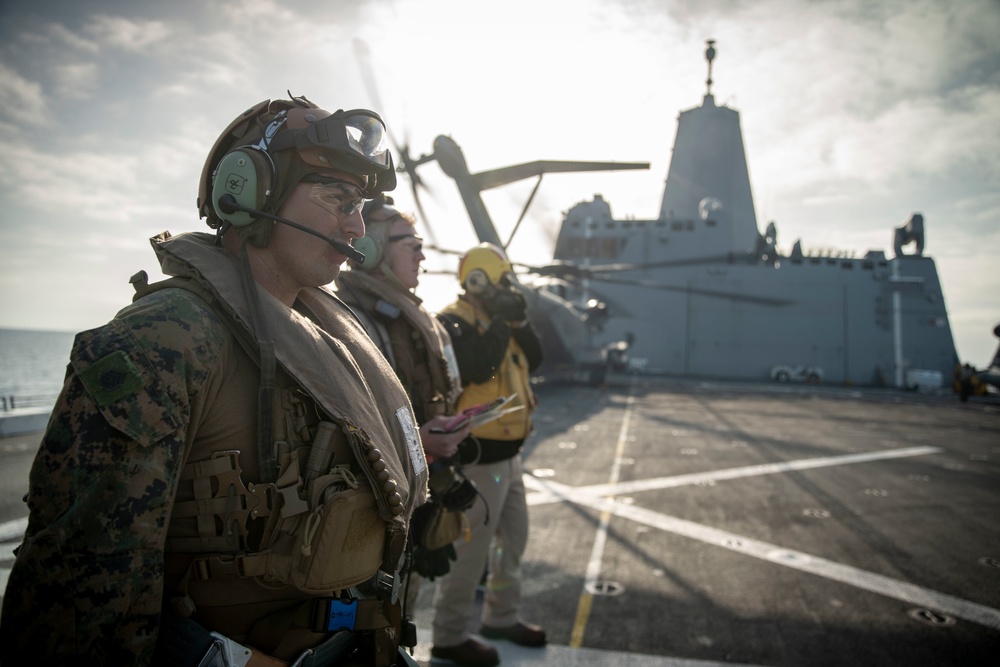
368,246
247,175
477,282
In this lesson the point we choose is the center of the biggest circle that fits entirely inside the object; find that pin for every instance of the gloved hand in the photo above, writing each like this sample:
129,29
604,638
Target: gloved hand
431,563
508,305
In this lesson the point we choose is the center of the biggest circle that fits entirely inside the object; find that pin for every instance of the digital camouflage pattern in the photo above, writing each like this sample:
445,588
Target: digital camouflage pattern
89,575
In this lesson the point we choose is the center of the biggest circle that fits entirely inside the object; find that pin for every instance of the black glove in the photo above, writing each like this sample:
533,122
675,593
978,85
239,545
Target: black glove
507,305
432,563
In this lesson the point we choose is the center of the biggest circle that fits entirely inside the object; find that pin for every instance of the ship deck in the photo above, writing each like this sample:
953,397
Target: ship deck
694,523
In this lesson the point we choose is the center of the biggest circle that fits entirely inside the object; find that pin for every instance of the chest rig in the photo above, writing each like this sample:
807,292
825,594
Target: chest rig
315,528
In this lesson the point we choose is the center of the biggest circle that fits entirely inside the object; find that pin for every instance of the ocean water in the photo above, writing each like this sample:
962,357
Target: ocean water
32,366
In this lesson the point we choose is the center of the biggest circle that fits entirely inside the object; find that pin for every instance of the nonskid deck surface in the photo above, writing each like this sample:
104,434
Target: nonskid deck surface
688,523
700,523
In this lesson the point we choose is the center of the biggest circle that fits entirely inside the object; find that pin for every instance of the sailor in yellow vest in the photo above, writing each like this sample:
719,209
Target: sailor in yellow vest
497,349
229,472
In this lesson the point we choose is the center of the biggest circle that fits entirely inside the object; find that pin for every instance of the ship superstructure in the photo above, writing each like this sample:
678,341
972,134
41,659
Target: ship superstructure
711,295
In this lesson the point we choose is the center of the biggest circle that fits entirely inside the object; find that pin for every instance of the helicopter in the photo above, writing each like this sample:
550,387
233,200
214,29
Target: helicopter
566,325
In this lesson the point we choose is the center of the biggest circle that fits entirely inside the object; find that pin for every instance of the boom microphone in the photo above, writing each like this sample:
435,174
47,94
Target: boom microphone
228,204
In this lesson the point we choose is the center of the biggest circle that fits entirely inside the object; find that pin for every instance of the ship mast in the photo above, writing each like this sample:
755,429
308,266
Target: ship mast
709,56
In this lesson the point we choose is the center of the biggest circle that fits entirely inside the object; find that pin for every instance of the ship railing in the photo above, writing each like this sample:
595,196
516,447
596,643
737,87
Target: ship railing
11,402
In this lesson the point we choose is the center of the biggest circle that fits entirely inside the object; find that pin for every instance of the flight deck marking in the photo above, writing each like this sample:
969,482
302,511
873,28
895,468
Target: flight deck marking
552,492
941,603
600,497
590,581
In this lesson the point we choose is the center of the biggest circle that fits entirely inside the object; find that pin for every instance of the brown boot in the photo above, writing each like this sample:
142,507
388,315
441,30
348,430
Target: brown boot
470,653
524,634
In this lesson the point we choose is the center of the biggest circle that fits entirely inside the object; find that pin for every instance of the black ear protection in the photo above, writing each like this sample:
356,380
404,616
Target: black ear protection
477,282
371,249
248,174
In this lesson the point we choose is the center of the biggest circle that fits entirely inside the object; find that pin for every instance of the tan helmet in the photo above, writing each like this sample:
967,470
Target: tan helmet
270,148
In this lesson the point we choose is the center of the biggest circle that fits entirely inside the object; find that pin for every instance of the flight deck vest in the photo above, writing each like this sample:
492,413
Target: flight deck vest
512,377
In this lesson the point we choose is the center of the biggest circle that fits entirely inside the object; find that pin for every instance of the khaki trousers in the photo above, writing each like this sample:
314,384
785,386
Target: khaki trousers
502,541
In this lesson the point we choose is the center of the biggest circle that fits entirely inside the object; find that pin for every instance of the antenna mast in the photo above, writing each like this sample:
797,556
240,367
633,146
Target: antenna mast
710,56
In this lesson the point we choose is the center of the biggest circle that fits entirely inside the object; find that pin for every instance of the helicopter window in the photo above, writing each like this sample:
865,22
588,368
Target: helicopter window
710,223
677,225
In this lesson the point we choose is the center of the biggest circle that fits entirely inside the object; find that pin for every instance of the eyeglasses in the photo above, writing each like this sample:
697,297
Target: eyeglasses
415,247
341,199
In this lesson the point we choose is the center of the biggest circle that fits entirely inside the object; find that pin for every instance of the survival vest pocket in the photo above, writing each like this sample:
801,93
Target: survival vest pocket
340,544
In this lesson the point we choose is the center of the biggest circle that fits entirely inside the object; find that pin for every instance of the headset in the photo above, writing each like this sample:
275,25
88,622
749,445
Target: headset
477,282
248,175
371,249
373,245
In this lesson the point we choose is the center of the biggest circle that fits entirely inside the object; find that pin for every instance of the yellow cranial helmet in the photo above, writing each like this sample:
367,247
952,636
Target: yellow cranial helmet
485,260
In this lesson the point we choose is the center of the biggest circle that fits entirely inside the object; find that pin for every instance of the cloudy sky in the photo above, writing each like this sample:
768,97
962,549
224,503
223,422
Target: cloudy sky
855,114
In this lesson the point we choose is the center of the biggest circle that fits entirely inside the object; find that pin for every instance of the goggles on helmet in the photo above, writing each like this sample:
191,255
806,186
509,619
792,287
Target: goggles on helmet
354,140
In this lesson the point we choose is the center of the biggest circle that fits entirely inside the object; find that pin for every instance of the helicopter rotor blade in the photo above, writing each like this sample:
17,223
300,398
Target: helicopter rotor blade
443,251
364,57
407,165
719,294
574,270
486,180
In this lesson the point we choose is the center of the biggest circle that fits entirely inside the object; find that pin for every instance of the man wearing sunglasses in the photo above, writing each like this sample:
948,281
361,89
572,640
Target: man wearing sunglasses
230,470
380,289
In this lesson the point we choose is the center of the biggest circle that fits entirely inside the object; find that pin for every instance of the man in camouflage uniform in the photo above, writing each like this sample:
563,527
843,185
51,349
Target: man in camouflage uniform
230,454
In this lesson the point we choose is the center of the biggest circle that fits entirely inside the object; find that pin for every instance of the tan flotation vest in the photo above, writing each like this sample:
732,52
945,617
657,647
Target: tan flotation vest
328,527
512,377
416,344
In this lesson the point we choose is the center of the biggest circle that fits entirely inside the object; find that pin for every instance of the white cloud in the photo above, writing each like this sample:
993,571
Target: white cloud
129,35
60,34
21,100
74,81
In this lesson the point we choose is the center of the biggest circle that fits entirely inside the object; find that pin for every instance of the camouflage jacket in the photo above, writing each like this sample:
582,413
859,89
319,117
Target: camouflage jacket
88,576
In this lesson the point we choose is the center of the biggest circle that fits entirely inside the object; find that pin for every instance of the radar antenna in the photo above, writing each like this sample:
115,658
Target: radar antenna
710,56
